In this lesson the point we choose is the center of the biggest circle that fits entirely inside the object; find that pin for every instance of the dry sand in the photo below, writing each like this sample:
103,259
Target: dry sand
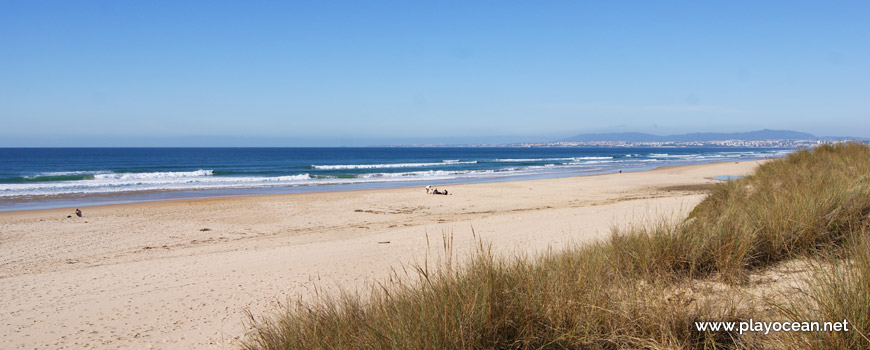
179,274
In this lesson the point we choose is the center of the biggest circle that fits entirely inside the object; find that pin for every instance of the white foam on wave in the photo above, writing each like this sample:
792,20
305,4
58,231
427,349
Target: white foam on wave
153,181
153,175
440,175
592,162
388,165
67,173
204,180
666,155
721,156
413,175
104,182
518,160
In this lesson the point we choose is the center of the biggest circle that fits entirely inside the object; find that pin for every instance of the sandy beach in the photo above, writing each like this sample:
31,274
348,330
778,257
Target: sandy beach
180,274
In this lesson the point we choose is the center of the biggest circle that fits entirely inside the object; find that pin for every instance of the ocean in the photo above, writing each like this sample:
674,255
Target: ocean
36,178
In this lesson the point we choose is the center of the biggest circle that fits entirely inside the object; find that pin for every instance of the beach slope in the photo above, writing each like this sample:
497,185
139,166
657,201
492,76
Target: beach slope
180,274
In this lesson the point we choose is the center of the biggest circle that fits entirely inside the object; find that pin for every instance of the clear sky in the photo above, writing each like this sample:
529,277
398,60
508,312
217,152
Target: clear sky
114,73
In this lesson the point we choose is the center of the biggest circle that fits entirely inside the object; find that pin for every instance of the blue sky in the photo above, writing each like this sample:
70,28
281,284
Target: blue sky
329,73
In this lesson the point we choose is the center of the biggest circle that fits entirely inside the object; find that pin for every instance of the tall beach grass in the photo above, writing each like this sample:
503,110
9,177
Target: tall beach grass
638,289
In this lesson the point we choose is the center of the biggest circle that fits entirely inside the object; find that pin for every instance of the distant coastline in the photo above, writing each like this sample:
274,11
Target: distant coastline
753,139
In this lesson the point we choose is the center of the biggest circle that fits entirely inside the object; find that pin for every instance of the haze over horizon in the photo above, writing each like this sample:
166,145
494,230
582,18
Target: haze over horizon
349,141
101,73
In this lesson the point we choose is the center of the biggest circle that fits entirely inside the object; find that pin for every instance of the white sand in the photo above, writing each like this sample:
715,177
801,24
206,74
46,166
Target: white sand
147,275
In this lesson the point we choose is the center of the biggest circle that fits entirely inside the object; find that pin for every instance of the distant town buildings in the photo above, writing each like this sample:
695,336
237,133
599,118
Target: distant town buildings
676,144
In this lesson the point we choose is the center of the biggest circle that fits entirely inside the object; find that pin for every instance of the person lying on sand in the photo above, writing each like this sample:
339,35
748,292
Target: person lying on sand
430,190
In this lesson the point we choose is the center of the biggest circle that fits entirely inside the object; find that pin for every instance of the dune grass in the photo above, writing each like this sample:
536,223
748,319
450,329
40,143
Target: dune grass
630,291
837,289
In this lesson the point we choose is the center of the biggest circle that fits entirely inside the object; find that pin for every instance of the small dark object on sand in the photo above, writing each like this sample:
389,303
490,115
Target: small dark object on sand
204,229
78,213
68,216
384,242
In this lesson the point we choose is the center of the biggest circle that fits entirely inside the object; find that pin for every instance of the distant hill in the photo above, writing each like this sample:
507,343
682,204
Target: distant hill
758,135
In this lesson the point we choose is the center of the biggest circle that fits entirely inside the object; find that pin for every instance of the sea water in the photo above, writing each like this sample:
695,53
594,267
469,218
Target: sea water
58,177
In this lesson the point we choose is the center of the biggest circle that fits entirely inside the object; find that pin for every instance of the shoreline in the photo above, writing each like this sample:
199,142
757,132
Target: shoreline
182,273
285,191
132,197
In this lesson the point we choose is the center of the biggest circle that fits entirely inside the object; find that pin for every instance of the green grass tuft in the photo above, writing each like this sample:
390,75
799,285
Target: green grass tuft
637,289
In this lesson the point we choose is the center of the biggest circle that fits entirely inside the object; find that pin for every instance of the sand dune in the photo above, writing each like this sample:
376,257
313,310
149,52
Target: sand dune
179,274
